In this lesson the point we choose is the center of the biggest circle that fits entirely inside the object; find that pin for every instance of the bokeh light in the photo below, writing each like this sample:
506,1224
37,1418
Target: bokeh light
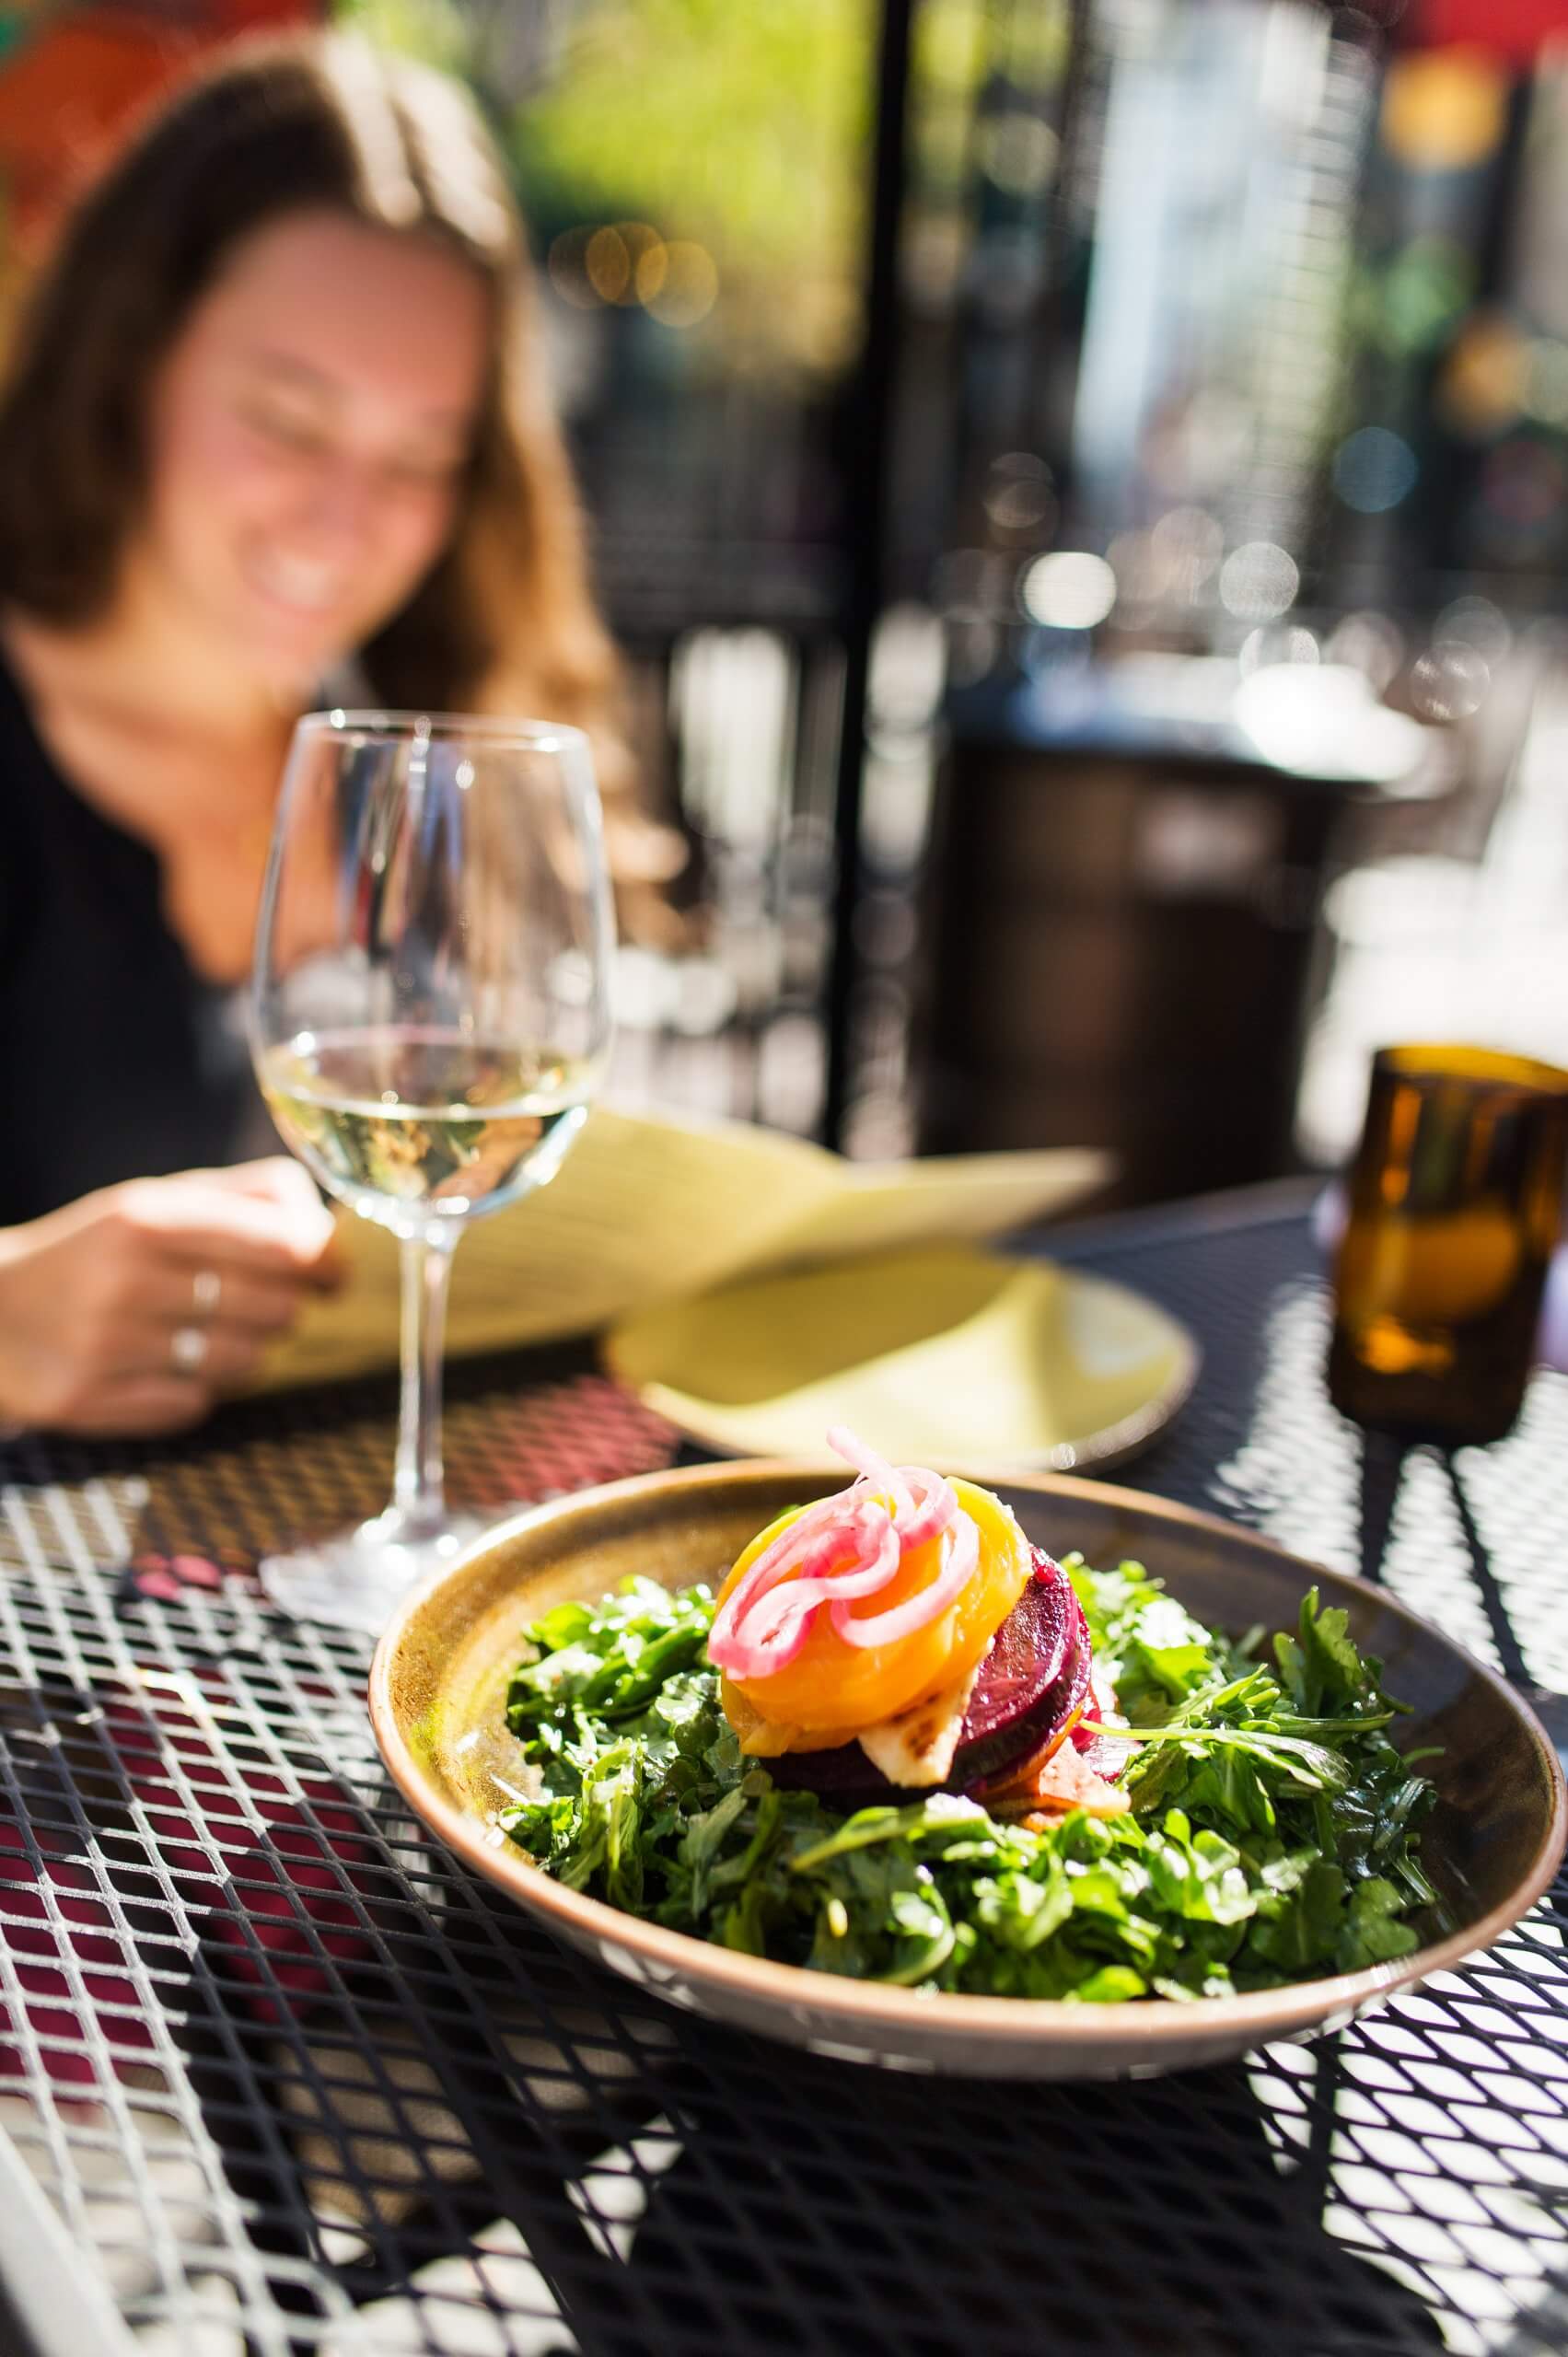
627,262
652,270
1324,721
1474,621
1369,643
1068,590
1419,297
689,286
1374,469
1444,110
1018,152
607,262
1281,643
1448,683
1188,542
1485,376
1258,580
1019,496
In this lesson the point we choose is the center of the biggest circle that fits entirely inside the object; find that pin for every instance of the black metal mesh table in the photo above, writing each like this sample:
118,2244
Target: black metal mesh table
276,2076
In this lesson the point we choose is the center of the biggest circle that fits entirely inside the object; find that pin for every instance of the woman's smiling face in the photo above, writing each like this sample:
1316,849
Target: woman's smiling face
307,439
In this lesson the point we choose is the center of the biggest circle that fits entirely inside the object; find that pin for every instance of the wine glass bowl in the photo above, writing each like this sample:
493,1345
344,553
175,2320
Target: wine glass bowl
430,1024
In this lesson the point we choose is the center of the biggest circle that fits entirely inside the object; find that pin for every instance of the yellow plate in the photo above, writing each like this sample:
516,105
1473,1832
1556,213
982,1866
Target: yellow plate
944,1354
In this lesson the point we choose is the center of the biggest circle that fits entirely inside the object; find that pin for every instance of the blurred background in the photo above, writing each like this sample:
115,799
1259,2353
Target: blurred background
1083,489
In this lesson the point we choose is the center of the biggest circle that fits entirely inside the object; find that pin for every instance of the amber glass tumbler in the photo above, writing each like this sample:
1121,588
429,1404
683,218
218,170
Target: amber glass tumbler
1455,1203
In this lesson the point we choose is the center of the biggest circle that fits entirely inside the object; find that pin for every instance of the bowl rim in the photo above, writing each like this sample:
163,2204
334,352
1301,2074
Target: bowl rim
862,2005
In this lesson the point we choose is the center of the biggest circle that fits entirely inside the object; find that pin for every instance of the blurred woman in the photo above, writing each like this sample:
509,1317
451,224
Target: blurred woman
274,433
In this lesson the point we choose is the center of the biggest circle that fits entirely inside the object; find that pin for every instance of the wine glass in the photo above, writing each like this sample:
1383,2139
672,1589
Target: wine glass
430,1021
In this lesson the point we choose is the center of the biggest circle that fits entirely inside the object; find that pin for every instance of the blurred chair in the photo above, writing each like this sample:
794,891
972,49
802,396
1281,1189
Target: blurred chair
1123,905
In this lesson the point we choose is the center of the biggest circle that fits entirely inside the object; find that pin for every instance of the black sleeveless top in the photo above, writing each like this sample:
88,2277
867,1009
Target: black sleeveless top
116,1061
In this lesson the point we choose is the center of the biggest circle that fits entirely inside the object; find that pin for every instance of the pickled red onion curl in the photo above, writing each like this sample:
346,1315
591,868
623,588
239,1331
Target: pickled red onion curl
840,1550
870,1466
961,1548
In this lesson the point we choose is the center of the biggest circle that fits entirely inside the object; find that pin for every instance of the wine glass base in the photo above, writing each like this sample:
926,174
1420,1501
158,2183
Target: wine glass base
356,1579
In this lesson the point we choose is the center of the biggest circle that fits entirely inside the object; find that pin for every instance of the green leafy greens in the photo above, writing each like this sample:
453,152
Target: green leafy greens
1272,1835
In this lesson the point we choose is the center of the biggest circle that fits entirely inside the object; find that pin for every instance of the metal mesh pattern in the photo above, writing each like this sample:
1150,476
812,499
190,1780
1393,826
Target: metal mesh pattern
295,2082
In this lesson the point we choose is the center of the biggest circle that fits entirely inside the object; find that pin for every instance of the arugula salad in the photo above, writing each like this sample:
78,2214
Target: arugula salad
1270,1832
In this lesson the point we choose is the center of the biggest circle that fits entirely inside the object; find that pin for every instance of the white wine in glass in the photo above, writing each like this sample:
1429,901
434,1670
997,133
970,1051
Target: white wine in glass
430,1023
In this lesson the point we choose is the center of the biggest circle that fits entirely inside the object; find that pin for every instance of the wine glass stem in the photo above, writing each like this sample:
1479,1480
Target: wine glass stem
417,1494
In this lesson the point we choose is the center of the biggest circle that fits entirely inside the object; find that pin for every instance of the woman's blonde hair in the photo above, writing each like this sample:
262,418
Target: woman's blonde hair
321,121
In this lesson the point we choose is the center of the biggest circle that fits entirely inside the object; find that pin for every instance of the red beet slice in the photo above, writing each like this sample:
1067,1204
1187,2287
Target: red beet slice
1034,1675
1066,1697
1015,1689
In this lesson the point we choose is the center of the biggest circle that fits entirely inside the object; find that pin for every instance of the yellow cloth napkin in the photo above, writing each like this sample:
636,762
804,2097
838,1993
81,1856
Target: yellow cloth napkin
651,1207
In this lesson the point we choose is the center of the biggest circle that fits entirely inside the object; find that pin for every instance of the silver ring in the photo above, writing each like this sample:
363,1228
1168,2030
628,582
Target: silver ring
187,1348
206,1292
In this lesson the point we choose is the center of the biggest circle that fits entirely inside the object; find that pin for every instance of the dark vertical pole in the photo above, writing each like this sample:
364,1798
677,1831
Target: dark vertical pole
1049,332
867,456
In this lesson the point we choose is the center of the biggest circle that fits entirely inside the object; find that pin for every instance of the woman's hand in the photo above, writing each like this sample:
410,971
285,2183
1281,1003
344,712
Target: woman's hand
133,1309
